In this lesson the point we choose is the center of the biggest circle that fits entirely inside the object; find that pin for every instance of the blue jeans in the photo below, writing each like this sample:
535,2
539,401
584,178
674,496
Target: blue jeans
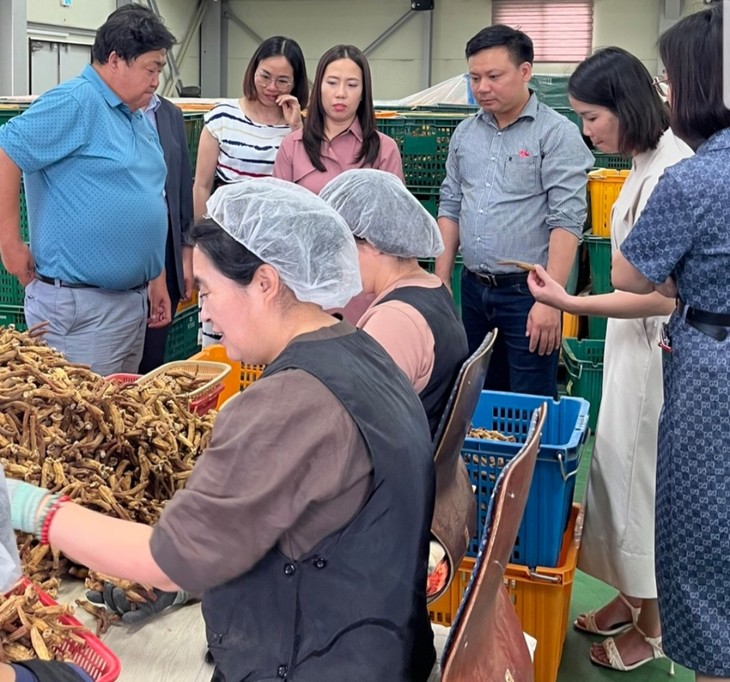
513,367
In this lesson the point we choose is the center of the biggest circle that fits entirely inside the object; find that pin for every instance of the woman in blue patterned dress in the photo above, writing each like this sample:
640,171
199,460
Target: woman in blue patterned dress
680,246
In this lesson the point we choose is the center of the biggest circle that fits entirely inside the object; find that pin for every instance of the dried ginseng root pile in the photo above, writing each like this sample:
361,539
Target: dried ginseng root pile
122,449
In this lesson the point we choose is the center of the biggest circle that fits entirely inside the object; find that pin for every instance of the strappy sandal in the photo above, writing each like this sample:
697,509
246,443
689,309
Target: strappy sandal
590,621
615,662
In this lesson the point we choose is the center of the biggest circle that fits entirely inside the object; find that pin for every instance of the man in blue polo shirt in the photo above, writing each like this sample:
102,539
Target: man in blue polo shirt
94,176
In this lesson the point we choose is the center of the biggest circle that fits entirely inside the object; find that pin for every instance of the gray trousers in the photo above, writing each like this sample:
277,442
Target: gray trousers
97,327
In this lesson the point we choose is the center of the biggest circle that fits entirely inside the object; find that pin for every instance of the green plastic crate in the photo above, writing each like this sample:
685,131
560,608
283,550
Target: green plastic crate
597,327
570,114
182,341
429,199
599,260
12,292
423,140
193,128
584,363
611,161
552,89
13,314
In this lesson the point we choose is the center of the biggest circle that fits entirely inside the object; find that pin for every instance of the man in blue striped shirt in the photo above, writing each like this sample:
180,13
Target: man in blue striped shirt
515,189
94,176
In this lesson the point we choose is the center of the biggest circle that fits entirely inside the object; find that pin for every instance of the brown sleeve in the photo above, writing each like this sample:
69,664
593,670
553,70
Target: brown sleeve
283,455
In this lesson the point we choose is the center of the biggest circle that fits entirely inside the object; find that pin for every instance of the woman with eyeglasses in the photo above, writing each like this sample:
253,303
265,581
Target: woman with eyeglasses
242,136
680,247
621,112
339,131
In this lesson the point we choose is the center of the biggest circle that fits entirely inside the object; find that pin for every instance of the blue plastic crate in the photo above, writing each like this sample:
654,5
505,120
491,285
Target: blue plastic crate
551,493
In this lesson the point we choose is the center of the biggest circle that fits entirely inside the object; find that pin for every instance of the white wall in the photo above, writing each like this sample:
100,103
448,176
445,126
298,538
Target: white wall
87,15
397,65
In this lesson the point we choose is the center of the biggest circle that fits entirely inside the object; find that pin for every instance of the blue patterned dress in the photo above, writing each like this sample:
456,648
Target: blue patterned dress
684,231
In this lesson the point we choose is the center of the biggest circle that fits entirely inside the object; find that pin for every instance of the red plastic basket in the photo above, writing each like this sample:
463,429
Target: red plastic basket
122,378
95,658
200,404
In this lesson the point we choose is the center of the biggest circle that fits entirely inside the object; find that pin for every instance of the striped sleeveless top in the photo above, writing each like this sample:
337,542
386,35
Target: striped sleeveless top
247,148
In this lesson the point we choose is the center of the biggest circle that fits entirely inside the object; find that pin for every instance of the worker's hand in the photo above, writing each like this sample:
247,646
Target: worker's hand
546,290
133,611
291,110
160,306
18,261
543,328
187,264
26,502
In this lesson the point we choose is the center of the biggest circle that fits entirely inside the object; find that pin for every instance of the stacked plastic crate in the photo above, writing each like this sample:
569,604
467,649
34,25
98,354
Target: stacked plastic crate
542,567
423,139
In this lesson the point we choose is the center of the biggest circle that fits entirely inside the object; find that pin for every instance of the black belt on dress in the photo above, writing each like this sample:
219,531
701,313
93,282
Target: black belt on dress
715,325
62,283
495,281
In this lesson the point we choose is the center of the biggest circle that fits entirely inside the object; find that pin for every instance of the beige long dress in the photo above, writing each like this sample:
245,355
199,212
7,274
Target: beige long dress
618,536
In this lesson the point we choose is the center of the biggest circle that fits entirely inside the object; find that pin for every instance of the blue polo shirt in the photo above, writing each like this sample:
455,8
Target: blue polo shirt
94,177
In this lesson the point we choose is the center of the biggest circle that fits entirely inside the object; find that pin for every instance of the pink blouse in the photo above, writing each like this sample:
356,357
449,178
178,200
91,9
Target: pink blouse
293,164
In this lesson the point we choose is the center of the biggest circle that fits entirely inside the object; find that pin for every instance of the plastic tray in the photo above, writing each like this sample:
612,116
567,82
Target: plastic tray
541,598
553,483
94,657
584,363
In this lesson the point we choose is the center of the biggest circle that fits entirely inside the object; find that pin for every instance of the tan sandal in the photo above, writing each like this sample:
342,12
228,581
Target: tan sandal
615,662
590,621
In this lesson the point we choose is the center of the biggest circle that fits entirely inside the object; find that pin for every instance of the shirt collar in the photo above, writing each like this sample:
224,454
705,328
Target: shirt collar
92,75
154,104
356,129
530,111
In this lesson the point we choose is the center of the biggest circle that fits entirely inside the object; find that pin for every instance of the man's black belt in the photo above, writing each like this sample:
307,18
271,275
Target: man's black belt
62,283
495,281
715,325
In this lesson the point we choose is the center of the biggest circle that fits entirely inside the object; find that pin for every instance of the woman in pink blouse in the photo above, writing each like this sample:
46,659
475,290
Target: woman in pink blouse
339,131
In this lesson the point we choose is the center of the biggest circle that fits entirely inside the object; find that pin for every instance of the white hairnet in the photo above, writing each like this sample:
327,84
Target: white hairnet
9,560
295,232
378,208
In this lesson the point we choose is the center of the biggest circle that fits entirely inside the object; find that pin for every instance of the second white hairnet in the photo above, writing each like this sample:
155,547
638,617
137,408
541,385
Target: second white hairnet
379,208
294,231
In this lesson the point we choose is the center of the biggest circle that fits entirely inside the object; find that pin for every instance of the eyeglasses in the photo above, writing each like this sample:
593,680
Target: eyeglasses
282,83
661,85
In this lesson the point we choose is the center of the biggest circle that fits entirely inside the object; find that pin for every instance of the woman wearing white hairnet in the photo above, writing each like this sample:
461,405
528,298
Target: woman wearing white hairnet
35,670
413,315
305,524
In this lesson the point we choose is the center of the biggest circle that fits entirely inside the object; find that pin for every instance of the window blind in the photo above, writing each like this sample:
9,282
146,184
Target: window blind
561,30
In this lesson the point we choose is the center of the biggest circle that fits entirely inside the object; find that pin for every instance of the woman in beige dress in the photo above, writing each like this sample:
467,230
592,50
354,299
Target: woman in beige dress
623,113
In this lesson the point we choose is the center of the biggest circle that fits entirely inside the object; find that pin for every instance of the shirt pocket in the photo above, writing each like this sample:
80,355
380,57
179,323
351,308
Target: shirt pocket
521,175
